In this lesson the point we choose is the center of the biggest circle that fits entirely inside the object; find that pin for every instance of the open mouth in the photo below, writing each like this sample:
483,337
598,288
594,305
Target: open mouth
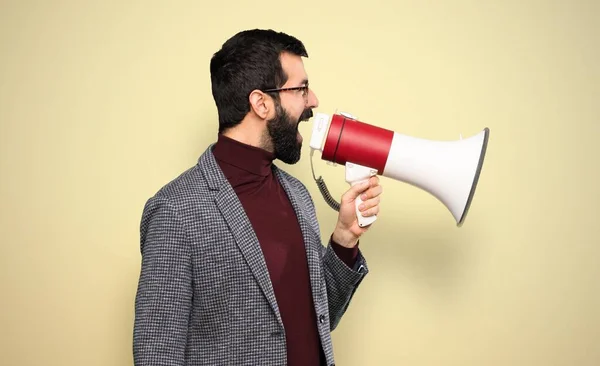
303,120
306,115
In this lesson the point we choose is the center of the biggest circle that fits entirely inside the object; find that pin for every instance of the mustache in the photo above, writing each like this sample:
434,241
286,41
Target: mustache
306,115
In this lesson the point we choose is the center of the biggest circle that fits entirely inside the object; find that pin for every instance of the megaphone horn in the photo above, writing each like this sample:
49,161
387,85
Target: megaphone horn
448,170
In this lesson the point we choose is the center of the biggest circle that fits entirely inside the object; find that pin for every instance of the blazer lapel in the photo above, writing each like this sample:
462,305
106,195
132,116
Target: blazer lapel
311,238
231,208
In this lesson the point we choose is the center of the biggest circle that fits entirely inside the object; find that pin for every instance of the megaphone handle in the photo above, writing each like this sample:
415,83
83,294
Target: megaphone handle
356,174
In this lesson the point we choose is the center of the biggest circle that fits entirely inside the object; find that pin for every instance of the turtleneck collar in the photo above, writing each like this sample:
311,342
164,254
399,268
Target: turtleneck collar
251,159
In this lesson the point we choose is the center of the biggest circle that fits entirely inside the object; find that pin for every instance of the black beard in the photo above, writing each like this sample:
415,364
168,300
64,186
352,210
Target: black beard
283,131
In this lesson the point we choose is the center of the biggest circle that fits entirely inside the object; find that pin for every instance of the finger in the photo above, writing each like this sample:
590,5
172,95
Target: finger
371,193
365,205
371,211
374,181
355,191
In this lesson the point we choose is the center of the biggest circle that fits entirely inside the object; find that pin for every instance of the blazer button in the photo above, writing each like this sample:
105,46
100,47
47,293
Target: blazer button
321,318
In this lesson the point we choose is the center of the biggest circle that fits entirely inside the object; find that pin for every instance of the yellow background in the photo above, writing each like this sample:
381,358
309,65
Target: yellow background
103,102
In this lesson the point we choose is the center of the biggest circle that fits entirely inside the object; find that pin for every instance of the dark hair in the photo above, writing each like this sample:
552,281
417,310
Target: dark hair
248,61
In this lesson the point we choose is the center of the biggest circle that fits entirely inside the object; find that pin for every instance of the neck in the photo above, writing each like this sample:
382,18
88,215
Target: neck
250,133
244,157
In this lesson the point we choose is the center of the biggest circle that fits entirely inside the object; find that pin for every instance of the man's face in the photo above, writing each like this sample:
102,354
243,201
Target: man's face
295,106
283,130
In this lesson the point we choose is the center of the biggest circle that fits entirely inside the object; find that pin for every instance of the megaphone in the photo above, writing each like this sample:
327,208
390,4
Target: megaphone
449,170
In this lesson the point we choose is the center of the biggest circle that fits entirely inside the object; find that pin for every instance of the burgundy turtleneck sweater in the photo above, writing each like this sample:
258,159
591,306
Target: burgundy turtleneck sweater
249,170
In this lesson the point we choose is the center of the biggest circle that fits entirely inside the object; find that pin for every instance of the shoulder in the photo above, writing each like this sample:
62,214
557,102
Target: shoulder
171,203
187,187
187,192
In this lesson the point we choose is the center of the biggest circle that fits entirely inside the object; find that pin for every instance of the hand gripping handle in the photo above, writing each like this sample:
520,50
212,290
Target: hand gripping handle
356,174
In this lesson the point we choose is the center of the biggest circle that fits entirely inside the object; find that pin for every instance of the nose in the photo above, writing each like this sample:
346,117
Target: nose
313,101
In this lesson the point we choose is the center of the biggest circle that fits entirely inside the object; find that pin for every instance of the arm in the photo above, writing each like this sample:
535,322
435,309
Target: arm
164,294
344,271
345,267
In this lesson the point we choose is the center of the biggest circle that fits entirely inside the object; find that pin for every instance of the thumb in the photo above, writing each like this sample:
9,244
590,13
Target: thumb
355,191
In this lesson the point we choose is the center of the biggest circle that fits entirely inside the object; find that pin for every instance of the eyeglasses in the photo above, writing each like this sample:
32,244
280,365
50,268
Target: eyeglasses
303,89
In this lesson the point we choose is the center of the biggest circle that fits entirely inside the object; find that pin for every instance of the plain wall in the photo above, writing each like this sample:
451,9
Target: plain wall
102,103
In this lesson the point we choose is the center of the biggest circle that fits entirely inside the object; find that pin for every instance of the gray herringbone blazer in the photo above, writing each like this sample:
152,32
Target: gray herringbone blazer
204,295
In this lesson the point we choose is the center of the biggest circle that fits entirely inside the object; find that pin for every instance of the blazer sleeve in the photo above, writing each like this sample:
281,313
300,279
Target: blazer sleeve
342,282
164,294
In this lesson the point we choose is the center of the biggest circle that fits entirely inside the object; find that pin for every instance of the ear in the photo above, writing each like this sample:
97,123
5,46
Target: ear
260,103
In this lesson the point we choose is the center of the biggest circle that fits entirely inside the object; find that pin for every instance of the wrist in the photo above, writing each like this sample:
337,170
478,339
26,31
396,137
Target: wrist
344,238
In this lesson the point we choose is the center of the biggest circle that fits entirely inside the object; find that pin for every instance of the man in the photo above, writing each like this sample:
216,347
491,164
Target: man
233,269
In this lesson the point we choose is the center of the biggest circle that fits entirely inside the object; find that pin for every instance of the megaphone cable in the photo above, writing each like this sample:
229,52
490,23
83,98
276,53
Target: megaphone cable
323,187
